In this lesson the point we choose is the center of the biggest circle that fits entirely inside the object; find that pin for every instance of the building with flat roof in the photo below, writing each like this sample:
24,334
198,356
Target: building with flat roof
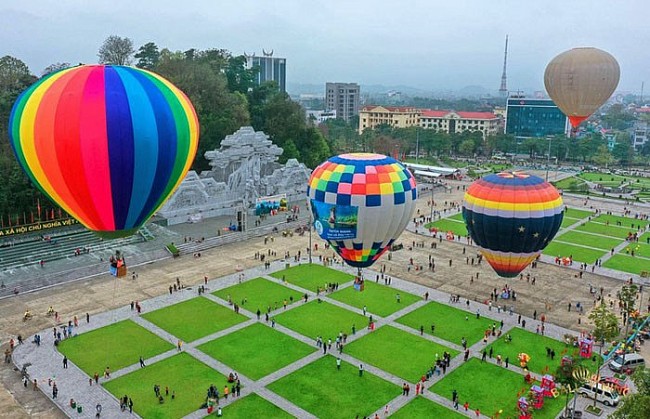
342,98
531,118
270,68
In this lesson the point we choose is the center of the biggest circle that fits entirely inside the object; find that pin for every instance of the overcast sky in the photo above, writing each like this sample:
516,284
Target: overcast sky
430,44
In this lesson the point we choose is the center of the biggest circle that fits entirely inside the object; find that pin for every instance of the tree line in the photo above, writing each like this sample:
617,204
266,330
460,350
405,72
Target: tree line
221,87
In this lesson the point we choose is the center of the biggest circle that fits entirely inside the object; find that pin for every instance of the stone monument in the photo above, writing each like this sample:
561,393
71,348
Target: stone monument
243,169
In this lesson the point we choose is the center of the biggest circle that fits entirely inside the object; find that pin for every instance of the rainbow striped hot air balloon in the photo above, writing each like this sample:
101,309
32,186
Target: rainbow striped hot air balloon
107,143
361,203
512,217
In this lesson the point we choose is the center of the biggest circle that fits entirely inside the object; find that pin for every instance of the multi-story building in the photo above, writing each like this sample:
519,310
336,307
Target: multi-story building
445,121
319,116
270,68
641,135
342,98
453,122
529,118
398,117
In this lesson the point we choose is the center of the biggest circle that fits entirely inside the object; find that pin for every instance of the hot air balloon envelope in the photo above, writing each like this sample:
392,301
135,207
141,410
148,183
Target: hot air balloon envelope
361,203
107,143
580,81
512,217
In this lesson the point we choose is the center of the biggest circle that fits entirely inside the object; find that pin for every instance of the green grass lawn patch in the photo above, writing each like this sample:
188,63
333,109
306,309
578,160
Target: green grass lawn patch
253,406
256,350
321,319
183,374
568,222
588,239
641,248
625,221
457,217
606,230
535,345
577,213
310,276
400,353
420,407
259,293
626,263
379,299
105,347
446,224
579,253
491,389
449,321
326,392
194,319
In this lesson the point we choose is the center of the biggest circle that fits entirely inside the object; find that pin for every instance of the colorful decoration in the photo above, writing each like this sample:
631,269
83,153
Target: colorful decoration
586,347
107,143
524,359
361,203
580,81
512,217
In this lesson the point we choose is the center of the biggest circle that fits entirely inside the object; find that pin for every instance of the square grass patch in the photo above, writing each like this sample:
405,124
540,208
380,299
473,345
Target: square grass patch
576,213
321,319
420,407
256,350
326,392
567,222
379,299
535,345
491,388
186,376
259,293
116,346
626,263
588,239
400,353
606,230
449,321
579,253
253,406
311,275
194,319
449,224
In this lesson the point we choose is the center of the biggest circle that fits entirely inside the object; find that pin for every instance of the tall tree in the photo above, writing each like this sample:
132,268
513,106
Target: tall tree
54,67
148,56
116,50
605,327
636,405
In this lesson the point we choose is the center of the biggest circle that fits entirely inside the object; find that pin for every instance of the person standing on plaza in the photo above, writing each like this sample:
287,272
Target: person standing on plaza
65,362
338,363
360,370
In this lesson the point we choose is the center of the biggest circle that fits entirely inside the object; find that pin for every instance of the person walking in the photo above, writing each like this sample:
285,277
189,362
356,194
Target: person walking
142,365
338,364
360,370
65,362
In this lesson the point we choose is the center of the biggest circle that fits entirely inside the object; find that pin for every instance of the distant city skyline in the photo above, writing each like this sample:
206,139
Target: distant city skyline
435,46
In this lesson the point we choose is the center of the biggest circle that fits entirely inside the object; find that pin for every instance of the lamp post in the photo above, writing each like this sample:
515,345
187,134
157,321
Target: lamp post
548,158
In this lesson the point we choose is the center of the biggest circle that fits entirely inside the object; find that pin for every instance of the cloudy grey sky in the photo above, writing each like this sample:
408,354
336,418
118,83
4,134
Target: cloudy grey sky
431,44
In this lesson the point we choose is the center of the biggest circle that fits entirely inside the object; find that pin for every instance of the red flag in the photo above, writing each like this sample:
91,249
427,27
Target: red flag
38,207
52,213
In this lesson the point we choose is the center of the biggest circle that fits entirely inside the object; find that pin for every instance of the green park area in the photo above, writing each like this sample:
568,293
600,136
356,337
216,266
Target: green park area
535,346
186,378
259,293
312,275
256,350
379,300
323,390
455,224
105,347
395,353
492,389
321,319
594,240
451,324
577,252
194,319
398,352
